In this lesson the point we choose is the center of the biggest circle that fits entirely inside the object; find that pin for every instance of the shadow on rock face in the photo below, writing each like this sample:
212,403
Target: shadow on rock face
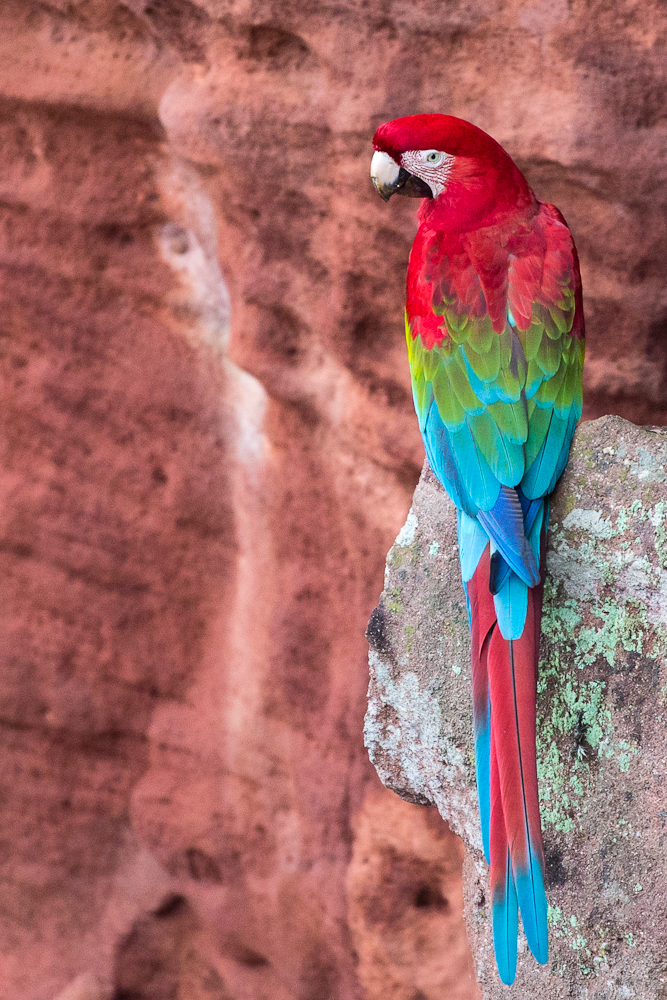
405,903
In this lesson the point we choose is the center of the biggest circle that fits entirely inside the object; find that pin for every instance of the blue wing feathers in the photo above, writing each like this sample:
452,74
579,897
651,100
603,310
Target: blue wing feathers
458,464
440,458
532,515
504,524
472,542
511,605
481,485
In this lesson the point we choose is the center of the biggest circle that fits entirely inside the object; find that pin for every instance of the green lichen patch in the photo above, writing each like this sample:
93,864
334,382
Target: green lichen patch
394,603
658,518
596,613
590,944
577,725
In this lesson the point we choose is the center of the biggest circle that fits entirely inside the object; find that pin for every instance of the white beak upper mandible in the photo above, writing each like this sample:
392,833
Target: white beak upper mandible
384,170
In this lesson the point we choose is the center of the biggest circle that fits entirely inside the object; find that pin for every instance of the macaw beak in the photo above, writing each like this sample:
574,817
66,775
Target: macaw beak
389,179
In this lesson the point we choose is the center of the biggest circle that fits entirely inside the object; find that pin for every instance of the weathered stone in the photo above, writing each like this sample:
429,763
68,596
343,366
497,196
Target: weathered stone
602,712
405,903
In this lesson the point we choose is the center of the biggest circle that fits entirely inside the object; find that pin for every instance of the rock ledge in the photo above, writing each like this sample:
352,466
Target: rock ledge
602,712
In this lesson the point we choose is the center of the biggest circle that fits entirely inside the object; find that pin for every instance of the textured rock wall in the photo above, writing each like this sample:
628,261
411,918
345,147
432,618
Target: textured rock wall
601,744
208,446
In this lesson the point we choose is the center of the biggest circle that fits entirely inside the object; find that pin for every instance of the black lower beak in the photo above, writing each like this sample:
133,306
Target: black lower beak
406,184
411,186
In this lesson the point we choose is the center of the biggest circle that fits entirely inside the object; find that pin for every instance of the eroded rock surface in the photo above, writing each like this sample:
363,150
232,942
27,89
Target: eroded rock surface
405,903
208,446
602,712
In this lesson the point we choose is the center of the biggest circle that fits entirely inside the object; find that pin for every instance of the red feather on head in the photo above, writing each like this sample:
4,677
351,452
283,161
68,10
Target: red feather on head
443,132
484,184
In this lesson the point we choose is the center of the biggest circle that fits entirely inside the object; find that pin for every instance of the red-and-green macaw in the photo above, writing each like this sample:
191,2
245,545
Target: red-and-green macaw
495,332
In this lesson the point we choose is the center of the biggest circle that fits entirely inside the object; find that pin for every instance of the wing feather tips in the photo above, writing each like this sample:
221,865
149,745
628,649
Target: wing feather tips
505,921
504,524
532,900
472,542
504,906
511,604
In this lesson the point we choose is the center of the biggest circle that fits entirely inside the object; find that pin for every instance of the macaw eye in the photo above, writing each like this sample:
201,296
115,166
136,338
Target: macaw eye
433,157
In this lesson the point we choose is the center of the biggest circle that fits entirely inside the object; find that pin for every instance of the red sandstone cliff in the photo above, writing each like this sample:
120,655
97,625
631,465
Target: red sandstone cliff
195,511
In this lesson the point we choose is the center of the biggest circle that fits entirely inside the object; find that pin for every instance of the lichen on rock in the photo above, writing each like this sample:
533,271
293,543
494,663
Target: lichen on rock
601,713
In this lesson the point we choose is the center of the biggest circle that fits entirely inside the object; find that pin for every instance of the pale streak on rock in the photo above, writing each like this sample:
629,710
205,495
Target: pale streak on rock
406,535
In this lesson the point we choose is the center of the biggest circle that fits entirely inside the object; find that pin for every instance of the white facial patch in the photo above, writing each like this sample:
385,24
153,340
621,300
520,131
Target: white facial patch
431,165
384,170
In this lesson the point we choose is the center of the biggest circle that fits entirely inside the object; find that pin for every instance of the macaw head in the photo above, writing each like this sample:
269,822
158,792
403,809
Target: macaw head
447,160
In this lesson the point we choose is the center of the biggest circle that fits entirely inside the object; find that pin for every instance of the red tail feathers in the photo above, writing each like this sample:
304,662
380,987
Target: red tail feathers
504,699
